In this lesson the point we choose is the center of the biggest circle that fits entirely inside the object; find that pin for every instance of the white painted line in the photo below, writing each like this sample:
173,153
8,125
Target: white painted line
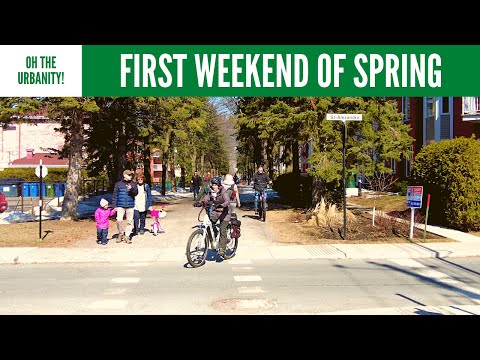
115,291
139,264
250,290
240,268
253,304
461,287
108,304
247,278
407,263
433,274
125,280
240,262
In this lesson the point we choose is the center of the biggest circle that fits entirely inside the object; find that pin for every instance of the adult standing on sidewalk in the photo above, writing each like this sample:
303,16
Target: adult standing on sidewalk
143,202
196,184
123,201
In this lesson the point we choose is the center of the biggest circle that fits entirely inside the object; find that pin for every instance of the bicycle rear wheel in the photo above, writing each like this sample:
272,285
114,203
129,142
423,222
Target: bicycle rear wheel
232,244
197,248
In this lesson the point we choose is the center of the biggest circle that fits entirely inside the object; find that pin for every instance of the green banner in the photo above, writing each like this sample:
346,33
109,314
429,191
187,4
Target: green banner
280,70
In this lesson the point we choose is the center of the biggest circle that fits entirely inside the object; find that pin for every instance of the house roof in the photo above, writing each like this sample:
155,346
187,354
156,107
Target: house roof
47,159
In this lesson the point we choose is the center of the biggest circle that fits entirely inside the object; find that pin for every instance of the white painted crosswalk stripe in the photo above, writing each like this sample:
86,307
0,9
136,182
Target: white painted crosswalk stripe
460,287
250,290
108,304
247,278
125,280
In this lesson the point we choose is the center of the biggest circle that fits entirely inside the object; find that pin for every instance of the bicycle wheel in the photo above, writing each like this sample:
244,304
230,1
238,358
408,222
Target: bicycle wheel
197,248
264,210
232,244
260,209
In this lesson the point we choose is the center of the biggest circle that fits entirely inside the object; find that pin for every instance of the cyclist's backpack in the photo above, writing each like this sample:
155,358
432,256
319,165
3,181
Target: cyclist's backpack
235,223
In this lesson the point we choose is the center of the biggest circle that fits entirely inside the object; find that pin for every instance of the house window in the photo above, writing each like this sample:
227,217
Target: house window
445,105
408,163
430,111
470,105
406,108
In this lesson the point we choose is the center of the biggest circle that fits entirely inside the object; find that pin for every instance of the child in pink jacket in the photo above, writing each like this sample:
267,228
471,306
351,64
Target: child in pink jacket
101,217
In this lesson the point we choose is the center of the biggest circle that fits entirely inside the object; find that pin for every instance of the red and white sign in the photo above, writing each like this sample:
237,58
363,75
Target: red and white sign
414,196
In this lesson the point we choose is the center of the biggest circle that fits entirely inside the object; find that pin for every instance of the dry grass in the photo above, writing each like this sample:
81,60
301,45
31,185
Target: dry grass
383,203
55,233
294,226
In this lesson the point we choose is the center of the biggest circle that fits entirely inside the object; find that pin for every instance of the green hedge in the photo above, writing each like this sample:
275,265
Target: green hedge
294,188
450,172
28,174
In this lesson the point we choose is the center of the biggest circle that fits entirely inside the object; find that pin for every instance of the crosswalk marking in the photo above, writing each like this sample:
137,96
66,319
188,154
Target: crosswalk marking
125,280
470,292
108,304
250,290
247,278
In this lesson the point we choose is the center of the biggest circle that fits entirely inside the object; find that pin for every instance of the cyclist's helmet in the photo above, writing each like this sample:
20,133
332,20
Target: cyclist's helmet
216,180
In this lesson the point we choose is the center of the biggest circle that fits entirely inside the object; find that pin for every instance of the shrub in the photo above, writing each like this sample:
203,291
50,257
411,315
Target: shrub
450,171
400,187
294,188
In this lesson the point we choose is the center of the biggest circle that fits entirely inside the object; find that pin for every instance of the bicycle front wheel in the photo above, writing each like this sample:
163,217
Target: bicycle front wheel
197,248
264,210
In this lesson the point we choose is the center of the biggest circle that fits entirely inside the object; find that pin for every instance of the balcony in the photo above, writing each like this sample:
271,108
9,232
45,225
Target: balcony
471,109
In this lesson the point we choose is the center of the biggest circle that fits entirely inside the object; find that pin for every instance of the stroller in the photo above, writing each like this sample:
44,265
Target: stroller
156,227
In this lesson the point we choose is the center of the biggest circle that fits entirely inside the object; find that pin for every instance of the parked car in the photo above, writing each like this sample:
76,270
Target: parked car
3,202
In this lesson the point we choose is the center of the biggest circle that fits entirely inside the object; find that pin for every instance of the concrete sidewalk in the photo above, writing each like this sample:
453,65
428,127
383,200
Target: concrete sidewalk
255,243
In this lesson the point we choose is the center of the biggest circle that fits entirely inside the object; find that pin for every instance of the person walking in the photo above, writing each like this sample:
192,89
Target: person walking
103,223
143,202
232,190
123,201
196,184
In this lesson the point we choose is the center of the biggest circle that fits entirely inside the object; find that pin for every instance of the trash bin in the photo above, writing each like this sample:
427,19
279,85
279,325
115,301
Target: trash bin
50,190
9,189
168,185
34,189
25,189
44,189
59,188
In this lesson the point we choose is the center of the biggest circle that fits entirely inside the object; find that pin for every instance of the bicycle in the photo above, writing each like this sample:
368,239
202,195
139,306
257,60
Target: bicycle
205,237
262,205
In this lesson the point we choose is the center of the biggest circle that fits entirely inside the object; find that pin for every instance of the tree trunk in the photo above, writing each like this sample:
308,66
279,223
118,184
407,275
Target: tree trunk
194,160
316,190
172,175
74,176
122,152
295,158
182,176
202,164
164,174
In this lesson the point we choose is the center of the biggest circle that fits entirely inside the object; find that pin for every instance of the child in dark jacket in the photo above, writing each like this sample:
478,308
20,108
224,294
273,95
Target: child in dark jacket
101,217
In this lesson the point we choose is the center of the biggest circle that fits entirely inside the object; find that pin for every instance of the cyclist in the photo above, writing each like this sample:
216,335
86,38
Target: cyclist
260,181
220,210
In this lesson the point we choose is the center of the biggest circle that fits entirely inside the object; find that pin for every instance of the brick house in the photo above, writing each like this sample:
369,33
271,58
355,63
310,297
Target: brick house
436,119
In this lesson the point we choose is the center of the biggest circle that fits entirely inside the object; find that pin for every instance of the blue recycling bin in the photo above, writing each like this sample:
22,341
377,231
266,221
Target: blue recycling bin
60,188
34,189
25,189
44,189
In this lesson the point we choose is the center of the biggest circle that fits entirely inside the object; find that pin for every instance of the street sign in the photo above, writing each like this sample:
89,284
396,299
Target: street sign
414,196
345,117
44,171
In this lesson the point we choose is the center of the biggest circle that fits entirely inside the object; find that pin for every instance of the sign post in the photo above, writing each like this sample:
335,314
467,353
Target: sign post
414,201
41,171
344,118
